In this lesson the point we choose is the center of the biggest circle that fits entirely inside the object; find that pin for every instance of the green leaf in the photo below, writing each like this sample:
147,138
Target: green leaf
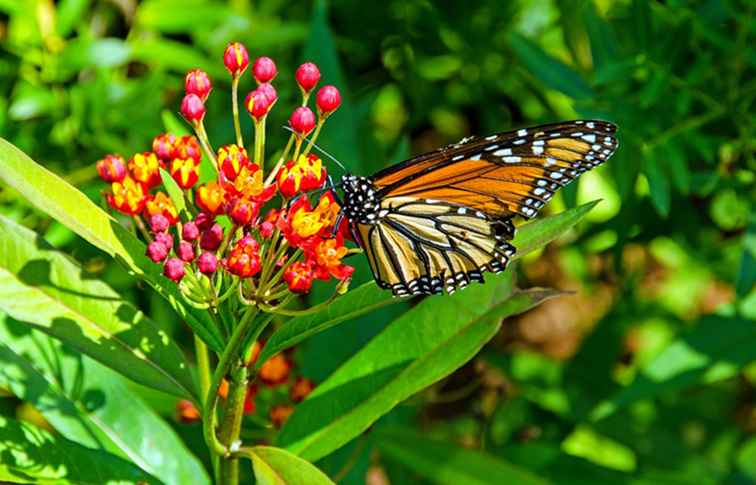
179,16
52,195
444,463
274,466
68,14
33,455
716,349
658,185
552,72
174,55
361,300
90,404
419,348
43,288
174,191
369,297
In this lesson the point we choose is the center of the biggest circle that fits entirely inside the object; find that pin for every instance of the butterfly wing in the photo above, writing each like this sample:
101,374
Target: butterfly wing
510,173
426,247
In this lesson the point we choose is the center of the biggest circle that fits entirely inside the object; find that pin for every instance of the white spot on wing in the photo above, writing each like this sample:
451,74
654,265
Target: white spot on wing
503,152
522,132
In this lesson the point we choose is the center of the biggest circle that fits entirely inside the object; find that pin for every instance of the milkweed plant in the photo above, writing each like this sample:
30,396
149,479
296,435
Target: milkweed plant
236,255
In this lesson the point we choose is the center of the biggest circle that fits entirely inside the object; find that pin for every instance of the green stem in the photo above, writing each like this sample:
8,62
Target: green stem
260,142
235,107
281,160
314,136
199,128
203,371
231,425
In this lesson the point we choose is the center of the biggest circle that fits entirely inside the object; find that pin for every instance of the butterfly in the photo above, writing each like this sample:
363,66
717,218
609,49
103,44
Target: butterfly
437,222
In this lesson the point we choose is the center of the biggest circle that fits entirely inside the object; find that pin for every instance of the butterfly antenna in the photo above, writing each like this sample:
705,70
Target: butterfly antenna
288,128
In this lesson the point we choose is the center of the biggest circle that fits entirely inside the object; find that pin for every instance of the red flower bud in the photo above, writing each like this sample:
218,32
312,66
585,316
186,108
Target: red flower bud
257,104
236,58
212,238
244,258
190,231
163,146
187,147
185,171
328,99
165,239
207,263
275,370
204,220
159,223
157,251
174,269
187,412
301,389
192,108
112,168
302,120
145,168
268,90
197,82
266,229
264,69
185,251
242,211
279,414
232,158
298,277
307,76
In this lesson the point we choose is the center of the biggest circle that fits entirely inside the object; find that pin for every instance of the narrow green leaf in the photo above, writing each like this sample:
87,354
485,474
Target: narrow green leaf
361,300
90,404
658,185
419,348
33,455
68,14
542,231
601,35
52,195
444,463
45,289
174,191
274,466
717,348
173,124
552,72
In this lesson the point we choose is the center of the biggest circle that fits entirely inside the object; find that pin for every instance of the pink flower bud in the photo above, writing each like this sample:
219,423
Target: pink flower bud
257,104
112,168
197,82
157,251
264,69
174,269
302,120
159,223
328,99
185,251
211,239
307,76
268,90
236,58
192,108
207,263
190,232
266,229
165,239
204,220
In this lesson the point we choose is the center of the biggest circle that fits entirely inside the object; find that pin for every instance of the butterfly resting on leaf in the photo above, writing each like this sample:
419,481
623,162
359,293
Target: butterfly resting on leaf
438,221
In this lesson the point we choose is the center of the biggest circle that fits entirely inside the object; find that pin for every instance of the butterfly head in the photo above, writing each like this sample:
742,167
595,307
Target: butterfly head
360,199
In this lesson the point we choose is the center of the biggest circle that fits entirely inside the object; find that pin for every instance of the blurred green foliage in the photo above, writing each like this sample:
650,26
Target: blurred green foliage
647,375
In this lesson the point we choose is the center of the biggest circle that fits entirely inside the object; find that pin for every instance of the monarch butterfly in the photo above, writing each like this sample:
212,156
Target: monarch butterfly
436,222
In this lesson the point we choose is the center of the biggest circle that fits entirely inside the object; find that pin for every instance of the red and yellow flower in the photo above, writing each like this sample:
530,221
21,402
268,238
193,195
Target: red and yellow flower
185,171
244,258
127,196
326,256
307,173
112,168
231,159
211,197
145,168
187,146
164,146
302,222
298,277
161,203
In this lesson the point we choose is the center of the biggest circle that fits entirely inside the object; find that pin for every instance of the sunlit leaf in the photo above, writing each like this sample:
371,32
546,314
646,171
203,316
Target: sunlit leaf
274,466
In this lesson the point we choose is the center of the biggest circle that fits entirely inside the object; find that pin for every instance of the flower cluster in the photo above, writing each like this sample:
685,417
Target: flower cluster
229,226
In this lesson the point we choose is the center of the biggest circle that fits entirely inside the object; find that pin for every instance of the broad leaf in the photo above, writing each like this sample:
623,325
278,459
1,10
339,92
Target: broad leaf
174,191
43,288
33,455
419,348
717,348
369,297
90,404
51,194
274,466
444,463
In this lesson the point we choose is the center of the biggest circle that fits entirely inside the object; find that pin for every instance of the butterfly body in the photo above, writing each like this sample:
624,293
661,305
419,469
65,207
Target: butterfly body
438,221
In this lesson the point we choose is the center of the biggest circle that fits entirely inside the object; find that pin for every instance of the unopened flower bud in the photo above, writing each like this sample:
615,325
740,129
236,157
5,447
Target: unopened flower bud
257,104
212,238
187,412
197,82
307,76
264,69
266,229
301,389
192,108
302,120
204,220
242,211
279,414
174,269
112,168
269,91
236,58
190,231
298,277
157,251
207,263
185,251
328,99
159,223
165,239
163,146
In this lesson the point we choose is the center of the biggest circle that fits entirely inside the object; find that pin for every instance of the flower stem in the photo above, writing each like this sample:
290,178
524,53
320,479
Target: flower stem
280,162
231,425
260,142
199,128
235,107
311,141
